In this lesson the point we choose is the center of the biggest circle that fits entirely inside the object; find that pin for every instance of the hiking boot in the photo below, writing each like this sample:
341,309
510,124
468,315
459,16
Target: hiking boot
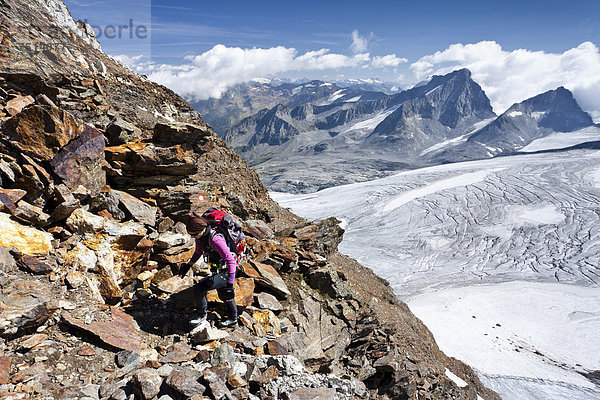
198,319
228,323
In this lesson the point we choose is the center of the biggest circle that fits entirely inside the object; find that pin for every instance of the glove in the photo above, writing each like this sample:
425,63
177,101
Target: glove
228,292
184,268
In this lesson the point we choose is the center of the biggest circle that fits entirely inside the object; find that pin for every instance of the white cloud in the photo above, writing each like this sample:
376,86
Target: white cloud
510,77
359,43
212,72
389,61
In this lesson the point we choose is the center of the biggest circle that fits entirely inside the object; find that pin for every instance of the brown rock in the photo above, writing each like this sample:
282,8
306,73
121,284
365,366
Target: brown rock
86,350
33,341
178,258
258,229
120,131
306,233
75,279
176,284
7,261
181,352
36,371
264,378
275,348
34,265
289,241
5,364
270,278
140,210
6,204
120,332
244,292
31,214
185,382
269,302
236,381
13,194
80,161
16,105
25,305
40,131
176,133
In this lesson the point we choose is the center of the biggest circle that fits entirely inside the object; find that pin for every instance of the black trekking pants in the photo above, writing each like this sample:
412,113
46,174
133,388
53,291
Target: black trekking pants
214,281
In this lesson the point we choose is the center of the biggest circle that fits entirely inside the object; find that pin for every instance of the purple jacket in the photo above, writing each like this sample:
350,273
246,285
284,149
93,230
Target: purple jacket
218,243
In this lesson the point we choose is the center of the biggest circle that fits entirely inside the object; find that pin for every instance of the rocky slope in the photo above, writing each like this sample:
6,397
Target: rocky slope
98,169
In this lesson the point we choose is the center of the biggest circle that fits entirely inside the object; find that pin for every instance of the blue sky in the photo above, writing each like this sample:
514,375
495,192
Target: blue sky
394,41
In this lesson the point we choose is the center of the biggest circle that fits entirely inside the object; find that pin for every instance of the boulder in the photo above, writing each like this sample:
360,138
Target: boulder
206,333
177,133
179,353
17,104
171,239
81,258
120,331
275,348
7,261
148,382
138,209
34,265
258,229
244,292
26,239
185,382
223,355
31,214
5,367
41,131
82,221
108,200
216,385
120,131
266,323
310,394
25,305
79,163
176,284
270,278
269,302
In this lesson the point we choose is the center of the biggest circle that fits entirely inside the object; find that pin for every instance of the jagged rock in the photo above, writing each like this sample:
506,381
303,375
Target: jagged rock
217,386
120,332
328,281
17,104
36,371
236,381
306,233
185,382
266,323
34,265
7,261
33,341
120,131
31,214
175,255
244,292
82,258
79,163
205,333
108,389
131,229
82,221
90,391
176,133
40,131
176,284
223,355
269,374
258,229
75,279
148,382
25,305
140,210
269,278
108,200
28,240
269,302
171,239
179,353
274,348
10,197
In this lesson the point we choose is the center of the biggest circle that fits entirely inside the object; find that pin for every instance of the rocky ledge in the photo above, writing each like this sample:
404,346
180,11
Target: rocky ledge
95,186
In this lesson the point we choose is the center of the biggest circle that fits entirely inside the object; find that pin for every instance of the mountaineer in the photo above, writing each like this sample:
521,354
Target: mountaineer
219,238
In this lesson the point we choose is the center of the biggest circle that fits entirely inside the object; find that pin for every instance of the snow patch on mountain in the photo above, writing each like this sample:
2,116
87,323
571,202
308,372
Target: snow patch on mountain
561,140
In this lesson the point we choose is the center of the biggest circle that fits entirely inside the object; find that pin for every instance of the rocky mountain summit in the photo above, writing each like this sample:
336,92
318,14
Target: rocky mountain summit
99,168
354,135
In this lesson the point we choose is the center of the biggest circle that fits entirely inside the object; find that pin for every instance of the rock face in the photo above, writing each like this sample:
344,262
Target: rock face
91,279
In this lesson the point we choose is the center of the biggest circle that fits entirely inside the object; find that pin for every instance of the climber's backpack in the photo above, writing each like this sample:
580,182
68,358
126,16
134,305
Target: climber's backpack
223,223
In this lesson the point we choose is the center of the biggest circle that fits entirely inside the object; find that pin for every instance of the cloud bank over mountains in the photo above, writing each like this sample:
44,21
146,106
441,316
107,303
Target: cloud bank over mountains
507,77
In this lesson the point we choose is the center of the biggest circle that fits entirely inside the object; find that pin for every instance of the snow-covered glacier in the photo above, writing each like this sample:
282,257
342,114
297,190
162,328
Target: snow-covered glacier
500,258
